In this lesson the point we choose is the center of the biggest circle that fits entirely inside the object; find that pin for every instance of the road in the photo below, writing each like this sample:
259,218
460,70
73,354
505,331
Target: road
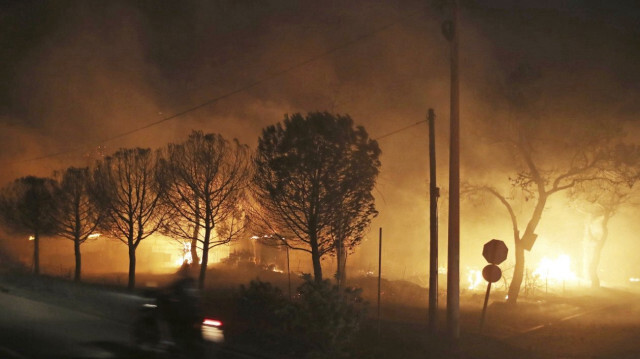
32,329
611,331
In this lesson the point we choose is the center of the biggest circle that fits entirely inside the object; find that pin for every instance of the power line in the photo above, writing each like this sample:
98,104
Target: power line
238,90
400,130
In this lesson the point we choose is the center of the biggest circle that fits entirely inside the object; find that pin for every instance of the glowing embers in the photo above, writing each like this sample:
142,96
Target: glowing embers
556,270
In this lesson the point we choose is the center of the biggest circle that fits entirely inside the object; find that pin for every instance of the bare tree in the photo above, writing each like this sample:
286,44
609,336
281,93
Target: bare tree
27,207
313,180
549,156
536,185
78,216
128,194
602,199
205,180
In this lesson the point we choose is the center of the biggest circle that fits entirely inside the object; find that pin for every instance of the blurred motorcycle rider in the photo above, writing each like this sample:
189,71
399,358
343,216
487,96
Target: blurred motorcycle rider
181,308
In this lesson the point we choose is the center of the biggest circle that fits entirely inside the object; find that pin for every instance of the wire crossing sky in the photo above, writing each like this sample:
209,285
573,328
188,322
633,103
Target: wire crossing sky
267,78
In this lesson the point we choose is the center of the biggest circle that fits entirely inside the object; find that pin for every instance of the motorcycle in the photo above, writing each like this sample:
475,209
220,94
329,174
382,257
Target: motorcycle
160,331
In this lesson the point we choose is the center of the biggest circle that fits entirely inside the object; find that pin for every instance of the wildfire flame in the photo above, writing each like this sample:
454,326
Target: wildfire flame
186,255
474,277
558,269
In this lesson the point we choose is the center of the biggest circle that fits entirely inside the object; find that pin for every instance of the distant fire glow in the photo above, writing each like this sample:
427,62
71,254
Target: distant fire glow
94,235
186,255
558,269
474,278
31,238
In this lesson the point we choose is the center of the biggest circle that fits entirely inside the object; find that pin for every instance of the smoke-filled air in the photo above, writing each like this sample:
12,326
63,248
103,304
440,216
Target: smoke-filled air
288,140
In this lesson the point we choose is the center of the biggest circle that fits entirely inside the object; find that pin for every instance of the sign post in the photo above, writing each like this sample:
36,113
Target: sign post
495,252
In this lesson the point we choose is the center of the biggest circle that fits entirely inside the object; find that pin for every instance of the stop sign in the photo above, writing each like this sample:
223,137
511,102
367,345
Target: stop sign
495,251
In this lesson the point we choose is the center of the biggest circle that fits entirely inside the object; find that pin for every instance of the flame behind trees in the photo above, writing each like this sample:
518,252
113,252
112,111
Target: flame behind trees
204,180
128,194
77,215
313,180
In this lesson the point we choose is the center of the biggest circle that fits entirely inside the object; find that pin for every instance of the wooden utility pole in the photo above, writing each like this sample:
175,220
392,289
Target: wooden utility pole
289,273
379,274
434,193
453,263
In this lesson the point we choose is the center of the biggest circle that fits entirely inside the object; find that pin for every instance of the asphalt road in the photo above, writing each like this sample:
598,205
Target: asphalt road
32,329
610,331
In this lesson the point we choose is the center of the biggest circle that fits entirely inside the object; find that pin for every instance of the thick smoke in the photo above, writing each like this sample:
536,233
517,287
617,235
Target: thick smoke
79,72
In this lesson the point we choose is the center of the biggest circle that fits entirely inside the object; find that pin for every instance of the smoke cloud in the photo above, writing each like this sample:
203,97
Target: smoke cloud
80,72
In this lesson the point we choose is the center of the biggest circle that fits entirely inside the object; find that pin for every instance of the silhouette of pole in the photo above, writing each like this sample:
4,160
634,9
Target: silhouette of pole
434,193
484,307
379,274
453,263
289,272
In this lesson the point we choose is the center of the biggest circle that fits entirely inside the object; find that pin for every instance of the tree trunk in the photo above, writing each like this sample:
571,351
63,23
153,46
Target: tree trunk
132,267
196,231
341,256
76,250
518,273
529,237
205,256
36,253
597,251
194,251
315,257
526,242
76,235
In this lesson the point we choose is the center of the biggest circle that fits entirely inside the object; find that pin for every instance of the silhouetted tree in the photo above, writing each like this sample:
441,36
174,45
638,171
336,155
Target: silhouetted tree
77,217
356,207
27,207
127,191
313,180
603,198
549,156
204,181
